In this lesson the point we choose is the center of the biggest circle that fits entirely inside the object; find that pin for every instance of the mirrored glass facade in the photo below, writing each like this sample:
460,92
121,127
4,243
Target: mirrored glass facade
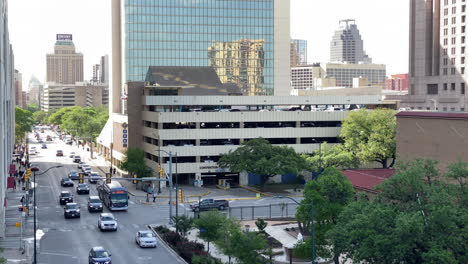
236,37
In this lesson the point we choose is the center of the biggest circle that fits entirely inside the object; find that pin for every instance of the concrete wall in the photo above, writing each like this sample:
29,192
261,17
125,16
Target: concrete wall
282,48
445,140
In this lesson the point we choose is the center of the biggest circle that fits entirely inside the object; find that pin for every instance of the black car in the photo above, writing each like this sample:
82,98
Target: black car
44,146
99,255
65,197
94,204
74,175
82,188
71,210
76,159
66,182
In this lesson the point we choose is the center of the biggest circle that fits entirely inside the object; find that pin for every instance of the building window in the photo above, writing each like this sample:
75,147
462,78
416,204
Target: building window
452,109
462,60
453,86
445,87
445,71
452,71
445,41
463,8
462,50
445,61
445,51
462,109
462,70
463,19
463,29
432,88
454,1
454,10
462,88
445,2
445,31
454,20
452,61
453,51
454,31
445,11
463,40
453,41
444,109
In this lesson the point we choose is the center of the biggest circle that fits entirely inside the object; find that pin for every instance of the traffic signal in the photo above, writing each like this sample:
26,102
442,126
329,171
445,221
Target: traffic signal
81,180
181,195
135,181
108,178
161,171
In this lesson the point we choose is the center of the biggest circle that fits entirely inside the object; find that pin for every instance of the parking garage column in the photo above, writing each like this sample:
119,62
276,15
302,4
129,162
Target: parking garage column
298,125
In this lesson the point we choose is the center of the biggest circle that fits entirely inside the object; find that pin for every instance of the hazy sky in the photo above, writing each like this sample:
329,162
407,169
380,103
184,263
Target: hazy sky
33,24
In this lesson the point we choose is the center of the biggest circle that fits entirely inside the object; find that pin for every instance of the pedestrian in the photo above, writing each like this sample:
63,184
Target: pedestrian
22,200
113,171
154,197
14,185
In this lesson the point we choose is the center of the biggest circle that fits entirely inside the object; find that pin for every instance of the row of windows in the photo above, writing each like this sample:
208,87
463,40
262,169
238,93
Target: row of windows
232,125
246,4
446,2
200,28
433,89
199,12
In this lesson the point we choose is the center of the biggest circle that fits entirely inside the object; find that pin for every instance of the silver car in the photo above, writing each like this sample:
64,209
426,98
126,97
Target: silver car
107,221
146,238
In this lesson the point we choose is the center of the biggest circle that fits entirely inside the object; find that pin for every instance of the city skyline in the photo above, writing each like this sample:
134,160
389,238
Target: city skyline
93,40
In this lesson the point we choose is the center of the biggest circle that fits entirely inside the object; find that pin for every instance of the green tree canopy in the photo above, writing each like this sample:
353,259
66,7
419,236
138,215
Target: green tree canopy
134,163
32,108
412,220
211,224
329,194
259,157
24,123
56,117
331,156
370,135
39,116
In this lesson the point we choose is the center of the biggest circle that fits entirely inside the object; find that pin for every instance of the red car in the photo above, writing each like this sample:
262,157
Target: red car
59,153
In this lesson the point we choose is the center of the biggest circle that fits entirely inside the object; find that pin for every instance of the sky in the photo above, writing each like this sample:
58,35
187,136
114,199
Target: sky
33,24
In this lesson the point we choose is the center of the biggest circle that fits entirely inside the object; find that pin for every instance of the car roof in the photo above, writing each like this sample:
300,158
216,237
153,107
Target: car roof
94,197
145,232
107,214
72,203
98,248
64,192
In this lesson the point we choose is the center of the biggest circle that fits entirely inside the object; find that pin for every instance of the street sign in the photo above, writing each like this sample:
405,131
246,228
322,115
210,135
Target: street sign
125,125
125,145
125,141
125,136
125,131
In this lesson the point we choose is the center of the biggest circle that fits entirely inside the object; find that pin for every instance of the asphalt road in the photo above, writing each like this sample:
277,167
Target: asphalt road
69,240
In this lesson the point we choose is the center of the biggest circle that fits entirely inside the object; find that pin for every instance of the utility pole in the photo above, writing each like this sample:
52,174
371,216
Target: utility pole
177,187
170,187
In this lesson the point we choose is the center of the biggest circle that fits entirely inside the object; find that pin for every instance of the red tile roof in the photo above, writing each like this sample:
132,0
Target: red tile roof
367,179
444,115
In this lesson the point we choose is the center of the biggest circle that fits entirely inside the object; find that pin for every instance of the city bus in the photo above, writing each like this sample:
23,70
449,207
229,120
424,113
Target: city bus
113,195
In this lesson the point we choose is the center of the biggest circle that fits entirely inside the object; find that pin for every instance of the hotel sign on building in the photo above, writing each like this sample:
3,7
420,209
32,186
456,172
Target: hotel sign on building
61,37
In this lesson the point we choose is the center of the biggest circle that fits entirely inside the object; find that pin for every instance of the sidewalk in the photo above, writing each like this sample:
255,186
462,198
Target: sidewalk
11,242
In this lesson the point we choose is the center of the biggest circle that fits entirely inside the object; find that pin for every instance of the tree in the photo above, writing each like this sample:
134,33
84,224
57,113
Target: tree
261,224
412,220
329,194
24,123
248,247
210,224
259,157
182,224
370,135
56,117
331,156
32,108
225,243
134,163
39,116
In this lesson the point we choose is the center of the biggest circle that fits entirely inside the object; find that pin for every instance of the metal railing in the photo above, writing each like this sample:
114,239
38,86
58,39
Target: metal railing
279,210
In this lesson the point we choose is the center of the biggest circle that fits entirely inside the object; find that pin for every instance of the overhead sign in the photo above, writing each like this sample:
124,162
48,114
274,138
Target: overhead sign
64,37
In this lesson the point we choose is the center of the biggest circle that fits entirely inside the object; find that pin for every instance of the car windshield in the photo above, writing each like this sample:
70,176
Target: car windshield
107,218
66,194
94,175
72,206
119,198
73,172
94,201
146,235
83,185
66,179
101,254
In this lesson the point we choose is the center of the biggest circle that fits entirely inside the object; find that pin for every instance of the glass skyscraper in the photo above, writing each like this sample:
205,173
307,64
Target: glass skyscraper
236,37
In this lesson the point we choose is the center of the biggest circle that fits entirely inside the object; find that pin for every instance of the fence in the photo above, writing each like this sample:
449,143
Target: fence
280,210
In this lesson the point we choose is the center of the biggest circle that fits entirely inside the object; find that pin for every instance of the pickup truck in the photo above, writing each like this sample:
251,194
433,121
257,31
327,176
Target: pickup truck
208,204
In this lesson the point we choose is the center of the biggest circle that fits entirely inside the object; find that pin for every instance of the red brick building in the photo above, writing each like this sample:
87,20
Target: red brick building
398,82
366,180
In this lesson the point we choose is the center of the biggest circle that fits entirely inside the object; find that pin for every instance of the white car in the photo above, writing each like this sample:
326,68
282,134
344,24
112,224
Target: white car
87,171
107,221
84,167
146,239
72,154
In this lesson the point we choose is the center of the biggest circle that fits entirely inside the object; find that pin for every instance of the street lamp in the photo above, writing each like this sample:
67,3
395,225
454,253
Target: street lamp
312,222
34,205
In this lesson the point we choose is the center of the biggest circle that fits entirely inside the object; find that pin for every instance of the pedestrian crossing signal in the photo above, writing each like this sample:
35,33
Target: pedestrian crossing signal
81,180
135,181
108,178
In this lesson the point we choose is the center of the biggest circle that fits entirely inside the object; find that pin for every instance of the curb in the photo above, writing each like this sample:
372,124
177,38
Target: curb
255,191
164,244
167,197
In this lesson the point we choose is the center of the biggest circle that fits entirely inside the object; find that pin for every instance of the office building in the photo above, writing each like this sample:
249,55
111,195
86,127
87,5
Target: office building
437,56
35,90
19,89
104,69
326,75
298,52
346,45
83,94
7,108
397,82
65,65
189,111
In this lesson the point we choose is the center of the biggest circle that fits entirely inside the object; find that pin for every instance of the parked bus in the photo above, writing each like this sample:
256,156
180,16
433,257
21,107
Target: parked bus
113,195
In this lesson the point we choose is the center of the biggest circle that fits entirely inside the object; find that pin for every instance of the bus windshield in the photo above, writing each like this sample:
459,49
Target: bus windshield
119,198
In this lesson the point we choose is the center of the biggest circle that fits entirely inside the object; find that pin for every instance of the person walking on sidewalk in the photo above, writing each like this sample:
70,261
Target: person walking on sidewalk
113,171
154,196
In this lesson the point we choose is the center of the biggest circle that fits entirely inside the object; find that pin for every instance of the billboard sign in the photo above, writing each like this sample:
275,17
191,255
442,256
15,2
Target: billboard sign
65,37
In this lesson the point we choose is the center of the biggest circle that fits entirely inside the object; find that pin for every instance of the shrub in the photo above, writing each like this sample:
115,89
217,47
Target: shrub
205,260
261,224
172,238
162,230
187,249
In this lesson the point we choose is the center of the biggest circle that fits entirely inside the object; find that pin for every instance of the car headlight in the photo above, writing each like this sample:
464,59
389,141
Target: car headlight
107,262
